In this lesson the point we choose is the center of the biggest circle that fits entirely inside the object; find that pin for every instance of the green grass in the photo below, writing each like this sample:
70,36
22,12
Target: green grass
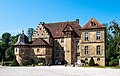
118,67
0,63
112,67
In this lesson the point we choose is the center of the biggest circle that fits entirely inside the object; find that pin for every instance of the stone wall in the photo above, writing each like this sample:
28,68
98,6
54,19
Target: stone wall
92,44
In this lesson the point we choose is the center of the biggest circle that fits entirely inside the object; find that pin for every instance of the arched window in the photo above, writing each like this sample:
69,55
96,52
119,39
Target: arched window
37,50
86,59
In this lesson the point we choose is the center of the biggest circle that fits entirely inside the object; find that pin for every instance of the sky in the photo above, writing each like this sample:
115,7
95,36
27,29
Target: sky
18,15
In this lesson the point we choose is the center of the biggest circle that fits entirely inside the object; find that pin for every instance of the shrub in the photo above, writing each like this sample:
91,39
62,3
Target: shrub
91,62
15,63
25,63
113,62
41,60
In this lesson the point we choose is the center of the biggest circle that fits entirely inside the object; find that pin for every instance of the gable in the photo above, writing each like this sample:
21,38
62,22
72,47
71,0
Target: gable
41,32
68,28
93,24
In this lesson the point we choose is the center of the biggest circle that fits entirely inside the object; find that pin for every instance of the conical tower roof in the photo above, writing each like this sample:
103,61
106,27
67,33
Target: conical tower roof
21,39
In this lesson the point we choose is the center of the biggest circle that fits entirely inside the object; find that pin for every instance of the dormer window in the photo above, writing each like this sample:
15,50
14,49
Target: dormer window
92,24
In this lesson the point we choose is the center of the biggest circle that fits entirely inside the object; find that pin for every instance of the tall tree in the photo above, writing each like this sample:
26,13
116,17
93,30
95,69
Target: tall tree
112,40
30,33
6,38
2,49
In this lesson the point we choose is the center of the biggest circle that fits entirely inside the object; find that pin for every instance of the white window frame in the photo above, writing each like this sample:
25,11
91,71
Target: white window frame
98,35
86,50
86,36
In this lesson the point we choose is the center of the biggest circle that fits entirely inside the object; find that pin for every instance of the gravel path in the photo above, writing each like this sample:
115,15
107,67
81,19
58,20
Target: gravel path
57,71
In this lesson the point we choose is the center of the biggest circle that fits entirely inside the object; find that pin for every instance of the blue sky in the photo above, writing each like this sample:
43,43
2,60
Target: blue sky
18,15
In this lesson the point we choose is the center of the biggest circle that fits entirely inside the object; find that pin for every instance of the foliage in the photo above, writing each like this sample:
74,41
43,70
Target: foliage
15,63
112,43
26,39
6,38
113,62
91,62
2,49
30,33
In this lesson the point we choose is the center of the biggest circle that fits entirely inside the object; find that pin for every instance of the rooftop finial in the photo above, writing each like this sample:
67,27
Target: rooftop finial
22,31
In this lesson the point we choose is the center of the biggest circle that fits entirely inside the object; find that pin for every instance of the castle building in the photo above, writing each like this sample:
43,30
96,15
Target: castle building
63,41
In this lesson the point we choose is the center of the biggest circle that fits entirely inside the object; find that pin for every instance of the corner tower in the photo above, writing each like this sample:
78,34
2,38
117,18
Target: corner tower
21,49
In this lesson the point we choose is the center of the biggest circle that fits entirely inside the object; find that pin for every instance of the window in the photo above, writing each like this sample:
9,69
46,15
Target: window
86,59
98,35
62,40
98,59
62,48
77,45
98,50
68,35
37,50
86,36
77,42
40,28
86,50
77,48
21,50
16,50
92,24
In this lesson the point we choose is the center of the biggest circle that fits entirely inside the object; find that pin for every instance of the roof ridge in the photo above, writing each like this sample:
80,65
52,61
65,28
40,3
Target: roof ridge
60,22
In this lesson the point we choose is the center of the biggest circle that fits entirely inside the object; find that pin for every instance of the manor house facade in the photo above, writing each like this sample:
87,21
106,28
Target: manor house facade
61,41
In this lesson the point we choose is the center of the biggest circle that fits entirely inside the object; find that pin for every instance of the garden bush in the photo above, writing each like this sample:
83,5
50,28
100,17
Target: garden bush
15,62
91,62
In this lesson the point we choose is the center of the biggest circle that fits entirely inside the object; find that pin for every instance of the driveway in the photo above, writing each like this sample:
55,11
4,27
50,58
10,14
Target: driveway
57,71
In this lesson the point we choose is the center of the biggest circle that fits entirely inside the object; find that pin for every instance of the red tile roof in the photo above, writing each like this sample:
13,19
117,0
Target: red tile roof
97,25
39,41
56,29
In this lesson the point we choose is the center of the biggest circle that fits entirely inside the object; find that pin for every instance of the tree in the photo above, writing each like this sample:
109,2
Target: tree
6,38
30,33
2,49
91,62
112,42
